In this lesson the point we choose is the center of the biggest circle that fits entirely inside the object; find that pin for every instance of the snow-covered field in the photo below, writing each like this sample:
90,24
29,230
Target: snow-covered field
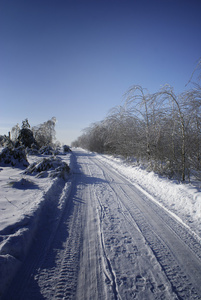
26,199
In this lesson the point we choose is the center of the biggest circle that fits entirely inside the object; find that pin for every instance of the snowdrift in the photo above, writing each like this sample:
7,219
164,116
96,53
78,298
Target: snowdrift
27,197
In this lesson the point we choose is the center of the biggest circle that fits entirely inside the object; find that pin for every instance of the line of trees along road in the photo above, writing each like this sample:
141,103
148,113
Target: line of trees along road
163,129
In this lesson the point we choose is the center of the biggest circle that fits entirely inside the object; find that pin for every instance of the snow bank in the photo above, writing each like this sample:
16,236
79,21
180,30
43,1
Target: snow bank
24,200
184,200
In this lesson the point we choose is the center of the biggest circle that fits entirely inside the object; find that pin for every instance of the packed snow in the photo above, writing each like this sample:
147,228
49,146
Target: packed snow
183,200
25,195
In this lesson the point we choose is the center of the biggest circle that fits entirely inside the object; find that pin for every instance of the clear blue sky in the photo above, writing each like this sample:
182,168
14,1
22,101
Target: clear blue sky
75,59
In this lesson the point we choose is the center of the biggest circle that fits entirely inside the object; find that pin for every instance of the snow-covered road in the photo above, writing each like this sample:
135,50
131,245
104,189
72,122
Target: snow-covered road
111,242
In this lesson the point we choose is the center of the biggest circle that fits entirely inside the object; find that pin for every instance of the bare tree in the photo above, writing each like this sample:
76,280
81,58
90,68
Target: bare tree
139,106
45,133
25,124
15,131
193,103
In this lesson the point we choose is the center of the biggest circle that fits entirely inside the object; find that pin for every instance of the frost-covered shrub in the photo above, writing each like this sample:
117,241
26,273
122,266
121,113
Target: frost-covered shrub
52,166
58,151
66,149
45,133
33,150
46,150
26,137
15,157
3,140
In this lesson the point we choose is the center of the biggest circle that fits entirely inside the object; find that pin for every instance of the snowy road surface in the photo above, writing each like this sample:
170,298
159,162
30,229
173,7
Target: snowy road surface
111,242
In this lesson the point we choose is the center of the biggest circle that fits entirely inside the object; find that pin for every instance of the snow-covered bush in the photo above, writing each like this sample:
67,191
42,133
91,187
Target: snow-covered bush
26,137
66,149
46,150
3,140
52,166
58,151
16,157
33,150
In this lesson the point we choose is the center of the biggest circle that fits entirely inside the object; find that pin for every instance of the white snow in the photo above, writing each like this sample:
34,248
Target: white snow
183,200
22,197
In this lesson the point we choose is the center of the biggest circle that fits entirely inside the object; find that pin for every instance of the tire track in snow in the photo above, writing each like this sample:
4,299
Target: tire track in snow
58,276
60,281
184,282
65,261
112,273
97,280
111,276
124,252
40,245
40,276
165,248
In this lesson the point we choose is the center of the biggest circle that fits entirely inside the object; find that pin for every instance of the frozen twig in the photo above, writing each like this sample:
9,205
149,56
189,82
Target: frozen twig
11,202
